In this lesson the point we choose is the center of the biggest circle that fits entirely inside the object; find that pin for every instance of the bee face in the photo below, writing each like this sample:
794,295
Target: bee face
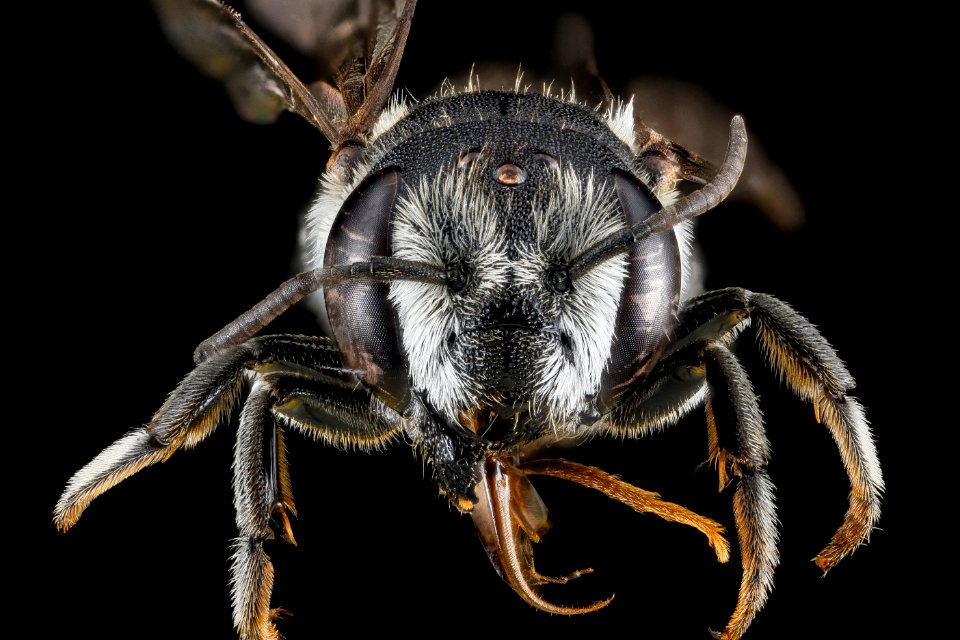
502,190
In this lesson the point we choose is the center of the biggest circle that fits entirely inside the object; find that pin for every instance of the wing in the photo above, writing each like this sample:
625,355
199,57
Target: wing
670,110
671,119
361,51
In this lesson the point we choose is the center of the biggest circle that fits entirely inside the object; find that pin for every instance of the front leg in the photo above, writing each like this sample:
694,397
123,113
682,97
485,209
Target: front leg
315,405
192,413
810,367
700,367
703,369
732,409
254,498
297,382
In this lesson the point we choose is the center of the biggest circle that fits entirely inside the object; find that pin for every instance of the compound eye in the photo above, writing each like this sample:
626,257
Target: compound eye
558,280
457,277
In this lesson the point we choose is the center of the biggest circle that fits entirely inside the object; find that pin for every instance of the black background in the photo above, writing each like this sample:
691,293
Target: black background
168,216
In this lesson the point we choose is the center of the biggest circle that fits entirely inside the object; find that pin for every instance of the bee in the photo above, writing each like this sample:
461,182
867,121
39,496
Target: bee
504,273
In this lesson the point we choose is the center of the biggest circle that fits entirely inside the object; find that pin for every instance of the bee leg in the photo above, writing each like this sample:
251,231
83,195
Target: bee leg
323,408
192,412
636,498
251,570
702,368
810,367
731,402
341,415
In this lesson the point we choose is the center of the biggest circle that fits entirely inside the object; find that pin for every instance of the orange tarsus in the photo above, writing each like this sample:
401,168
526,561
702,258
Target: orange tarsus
638,499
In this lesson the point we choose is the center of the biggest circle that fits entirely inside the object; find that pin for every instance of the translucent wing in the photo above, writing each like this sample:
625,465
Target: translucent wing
681,111
361,50
671,119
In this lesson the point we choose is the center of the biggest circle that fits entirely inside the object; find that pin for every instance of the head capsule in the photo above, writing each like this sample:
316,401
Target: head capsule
503,190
